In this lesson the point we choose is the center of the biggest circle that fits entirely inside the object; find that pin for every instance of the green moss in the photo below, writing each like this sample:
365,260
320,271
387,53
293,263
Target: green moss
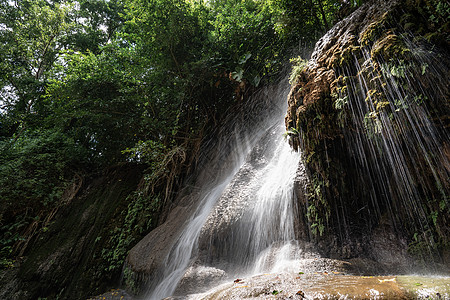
390,45
373,31
348,54
341,58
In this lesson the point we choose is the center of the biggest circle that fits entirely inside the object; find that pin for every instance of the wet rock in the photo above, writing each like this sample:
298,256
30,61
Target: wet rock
237,197
374,163
198,279
330,286
390,250
150,252
113,295
146,262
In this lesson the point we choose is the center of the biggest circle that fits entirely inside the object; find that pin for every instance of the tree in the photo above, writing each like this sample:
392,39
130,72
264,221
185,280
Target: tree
85,84
33,33
95,24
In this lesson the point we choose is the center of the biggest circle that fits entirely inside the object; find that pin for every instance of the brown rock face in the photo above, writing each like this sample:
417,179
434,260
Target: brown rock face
316,81
371,109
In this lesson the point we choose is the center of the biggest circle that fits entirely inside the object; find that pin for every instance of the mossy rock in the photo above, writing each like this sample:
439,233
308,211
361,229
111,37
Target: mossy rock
390,45
66,261
374,30
390,68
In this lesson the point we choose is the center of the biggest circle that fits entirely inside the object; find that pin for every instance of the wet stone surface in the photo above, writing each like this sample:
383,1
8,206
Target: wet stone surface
333,285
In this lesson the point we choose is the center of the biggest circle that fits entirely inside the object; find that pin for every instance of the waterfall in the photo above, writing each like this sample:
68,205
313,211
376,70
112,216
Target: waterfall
243,222
248,228
179,258
395,143
371,108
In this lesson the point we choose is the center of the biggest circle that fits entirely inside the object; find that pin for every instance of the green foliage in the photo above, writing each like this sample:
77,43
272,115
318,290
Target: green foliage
94,24
429,241
34,171
130,283
89,83
146,202
163,164
32,166
150,152
340,103
299,22
398,71
244,40
139,218
318,207
96,102
372,124
439,12
10,236
31,34
298,65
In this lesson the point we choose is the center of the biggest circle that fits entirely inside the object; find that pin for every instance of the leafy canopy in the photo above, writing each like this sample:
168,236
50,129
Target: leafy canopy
85,84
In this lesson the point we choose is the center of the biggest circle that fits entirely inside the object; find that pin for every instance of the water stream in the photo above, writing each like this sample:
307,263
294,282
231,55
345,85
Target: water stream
252,226
244,222
396,143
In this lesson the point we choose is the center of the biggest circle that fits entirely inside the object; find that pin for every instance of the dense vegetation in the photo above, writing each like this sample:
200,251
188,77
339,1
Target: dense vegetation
88,84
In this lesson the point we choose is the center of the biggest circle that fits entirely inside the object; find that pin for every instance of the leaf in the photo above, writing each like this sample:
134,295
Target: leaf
238,74
256,80
244,58
424,68
300,293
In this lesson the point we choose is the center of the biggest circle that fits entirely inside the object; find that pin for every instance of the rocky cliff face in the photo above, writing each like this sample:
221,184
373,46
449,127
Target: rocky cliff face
72,258
370,112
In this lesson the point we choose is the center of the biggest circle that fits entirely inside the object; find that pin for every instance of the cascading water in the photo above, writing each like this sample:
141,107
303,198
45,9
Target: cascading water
378,165
245,222
371,108
254,218
270,233
179,258
395,142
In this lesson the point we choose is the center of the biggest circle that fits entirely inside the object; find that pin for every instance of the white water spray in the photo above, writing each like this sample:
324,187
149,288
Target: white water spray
252,208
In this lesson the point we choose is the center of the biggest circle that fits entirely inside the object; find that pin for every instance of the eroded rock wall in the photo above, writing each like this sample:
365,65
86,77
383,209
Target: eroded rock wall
370,112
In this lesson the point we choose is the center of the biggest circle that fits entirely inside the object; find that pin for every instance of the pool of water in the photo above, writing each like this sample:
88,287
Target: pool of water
333,285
